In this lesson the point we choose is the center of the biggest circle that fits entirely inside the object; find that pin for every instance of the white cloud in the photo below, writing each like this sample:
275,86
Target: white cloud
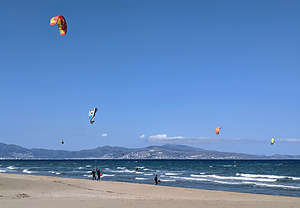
164,138
288,140
142,136
158,137
104,134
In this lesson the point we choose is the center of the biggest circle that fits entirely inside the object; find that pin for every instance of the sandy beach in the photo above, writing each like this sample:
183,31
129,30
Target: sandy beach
45,191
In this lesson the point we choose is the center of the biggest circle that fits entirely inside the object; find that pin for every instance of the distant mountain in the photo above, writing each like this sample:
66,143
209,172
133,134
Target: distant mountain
9,151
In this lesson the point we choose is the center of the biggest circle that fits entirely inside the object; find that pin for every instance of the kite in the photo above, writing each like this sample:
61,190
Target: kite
272,141
218,130
92,115
62,141
61,23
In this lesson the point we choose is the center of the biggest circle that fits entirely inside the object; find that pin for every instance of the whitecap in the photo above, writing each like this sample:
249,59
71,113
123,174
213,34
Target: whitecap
167,180
273,185
138,178
260,176
148,174
172,174
11,167
226,182
267,176
189,178
27,171
234,178
2,171
123,171
54,172
137,172
108,175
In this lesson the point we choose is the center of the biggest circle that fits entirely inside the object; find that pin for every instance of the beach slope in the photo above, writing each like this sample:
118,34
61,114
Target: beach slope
54,192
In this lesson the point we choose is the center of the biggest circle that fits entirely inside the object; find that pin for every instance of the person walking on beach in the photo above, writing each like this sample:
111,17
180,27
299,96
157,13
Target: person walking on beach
98,174
94,174
156,180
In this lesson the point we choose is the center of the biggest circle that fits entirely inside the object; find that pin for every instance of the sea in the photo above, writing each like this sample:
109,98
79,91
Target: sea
274,177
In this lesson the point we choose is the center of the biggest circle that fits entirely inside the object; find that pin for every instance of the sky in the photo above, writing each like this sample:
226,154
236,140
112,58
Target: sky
159,72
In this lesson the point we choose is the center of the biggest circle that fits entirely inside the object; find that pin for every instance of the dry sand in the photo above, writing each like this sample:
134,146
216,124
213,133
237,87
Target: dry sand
53,192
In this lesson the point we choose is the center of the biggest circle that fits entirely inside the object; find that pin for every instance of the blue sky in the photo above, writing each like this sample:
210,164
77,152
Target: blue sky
169,70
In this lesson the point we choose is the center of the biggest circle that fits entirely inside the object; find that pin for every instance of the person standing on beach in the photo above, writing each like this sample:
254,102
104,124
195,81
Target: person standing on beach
98,174
156,180
94,174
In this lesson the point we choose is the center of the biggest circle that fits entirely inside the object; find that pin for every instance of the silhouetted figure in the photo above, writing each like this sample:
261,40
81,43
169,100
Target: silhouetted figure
98,174
156,180
94,174
137,169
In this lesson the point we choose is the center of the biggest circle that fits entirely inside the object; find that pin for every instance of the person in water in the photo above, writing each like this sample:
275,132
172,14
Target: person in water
156,180
98,174
94,174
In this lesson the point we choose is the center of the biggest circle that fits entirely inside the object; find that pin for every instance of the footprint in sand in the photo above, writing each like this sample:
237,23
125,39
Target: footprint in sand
22,196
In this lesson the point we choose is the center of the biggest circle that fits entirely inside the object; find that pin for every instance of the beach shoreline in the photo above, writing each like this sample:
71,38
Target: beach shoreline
17,190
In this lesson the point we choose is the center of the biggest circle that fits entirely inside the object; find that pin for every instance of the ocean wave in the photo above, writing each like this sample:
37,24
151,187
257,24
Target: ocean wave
123,171
108,175
273,185
11,167
145,169
80,168
172,174
227,182
138,172
2,171
54,172
148,174
189,178
234,178
167,180
121,168
88,166
89,176
28,171
138,178
267,176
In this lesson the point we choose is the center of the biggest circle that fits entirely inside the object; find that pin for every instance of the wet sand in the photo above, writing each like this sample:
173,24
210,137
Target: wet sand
54,192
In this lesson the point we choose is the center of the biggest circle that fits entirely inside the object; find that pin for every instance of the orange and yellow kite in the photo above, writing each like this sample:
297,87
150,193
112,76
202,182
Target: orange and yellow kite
218,130
61,23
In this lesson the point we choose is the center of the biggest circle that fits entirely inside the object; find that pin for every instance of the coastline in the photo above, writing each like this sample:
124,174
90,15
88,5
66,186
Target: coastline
17,190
